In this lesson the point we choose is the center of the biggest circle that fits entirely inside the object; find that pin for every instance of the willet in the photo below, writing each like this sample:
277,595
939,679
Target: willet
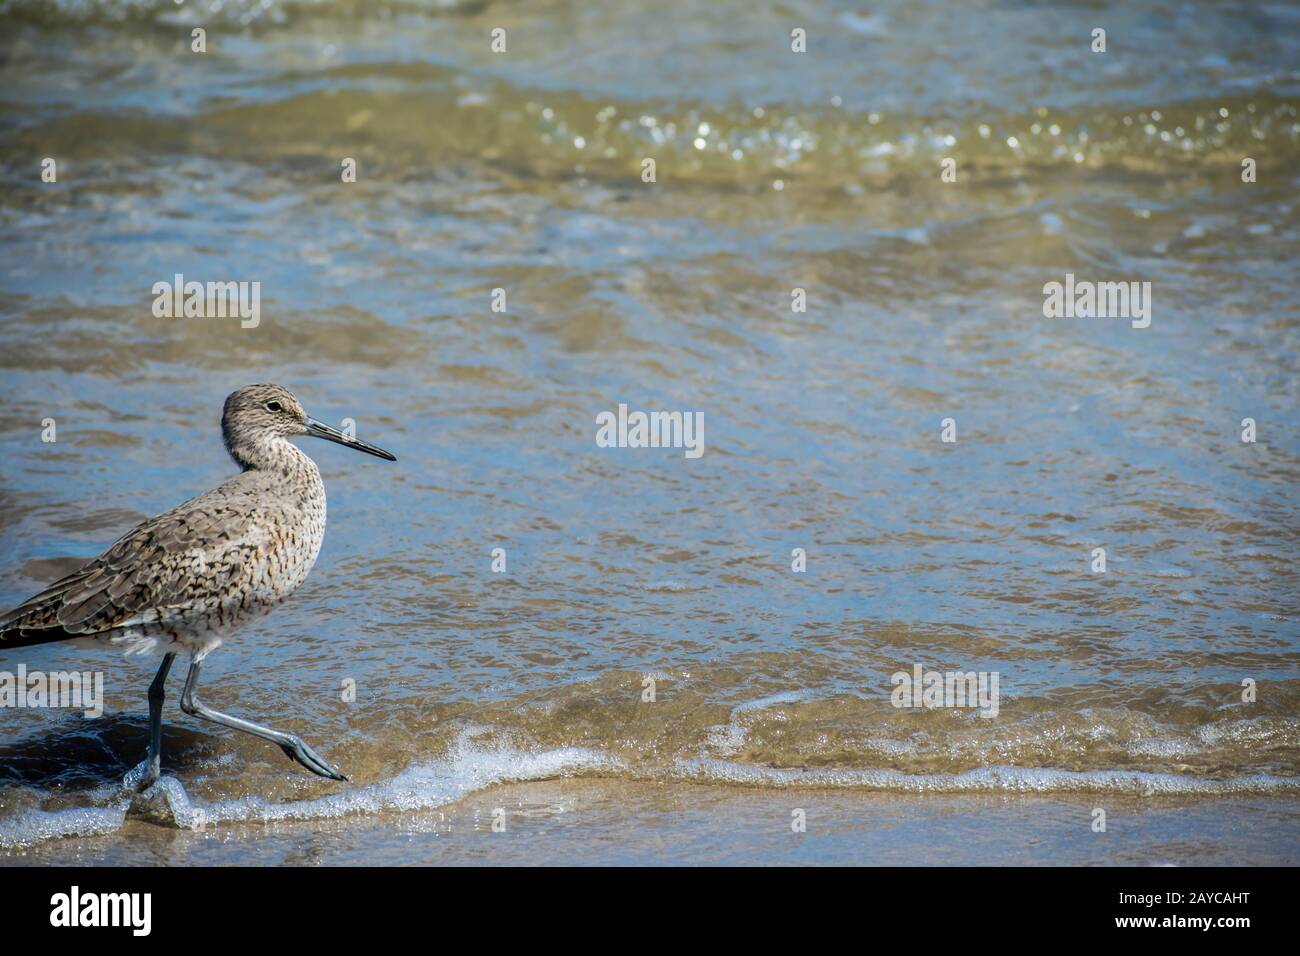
184,580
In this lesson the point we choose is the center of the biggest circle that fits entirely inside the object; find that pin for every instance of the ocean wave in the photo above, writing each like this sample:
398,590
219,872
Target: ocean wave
997,779
473,764
557,135
468,768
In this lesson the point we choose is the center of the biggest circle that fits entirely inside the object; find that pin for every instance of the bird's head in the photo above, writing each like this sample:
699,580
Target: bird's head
256,413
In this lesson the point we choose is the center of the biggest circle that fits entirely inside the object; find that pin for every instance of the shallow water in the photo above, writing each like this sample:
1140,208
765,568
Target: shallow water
774,170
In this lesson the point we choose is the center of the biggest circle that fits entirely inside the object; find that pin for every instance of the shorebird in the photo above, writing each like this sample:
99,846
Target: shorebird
184,580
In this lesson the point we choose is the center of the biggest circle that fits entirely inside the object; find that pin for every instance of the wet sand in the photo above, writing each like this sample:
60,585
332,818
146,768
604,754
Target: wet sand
603,822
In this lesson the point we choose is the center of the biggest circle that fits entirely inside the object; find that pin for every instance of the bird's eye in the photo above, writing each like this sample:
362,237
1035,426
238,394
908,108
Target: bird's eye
274,407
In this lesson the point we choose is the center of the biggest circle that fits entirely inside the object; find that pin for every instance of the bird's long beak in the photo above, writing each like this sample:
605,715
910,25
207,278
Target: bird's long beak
321,430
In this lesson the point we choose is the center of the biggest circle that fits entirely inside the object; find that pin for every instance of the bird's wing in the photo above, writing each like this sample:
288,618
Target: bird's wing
178,561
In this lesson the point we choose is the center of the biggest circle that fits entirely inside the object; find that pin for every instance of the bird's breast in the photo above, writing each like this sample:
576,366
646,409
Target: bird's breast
290,541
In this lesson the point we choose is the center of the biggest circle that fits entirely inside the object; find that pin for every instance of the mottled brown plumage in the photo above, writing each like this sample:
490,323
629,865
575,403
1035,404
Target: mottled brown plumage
184,579
191,574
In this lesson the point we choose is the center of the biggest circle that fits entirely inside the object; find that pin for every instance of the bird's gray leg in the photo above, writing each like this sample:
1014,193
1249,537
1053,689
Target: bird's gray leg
144,775
293,746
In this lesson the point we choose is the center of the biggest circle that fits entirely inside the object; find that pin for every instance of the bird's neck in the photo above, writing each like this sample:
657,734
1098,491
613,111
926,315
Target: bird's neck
272,453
